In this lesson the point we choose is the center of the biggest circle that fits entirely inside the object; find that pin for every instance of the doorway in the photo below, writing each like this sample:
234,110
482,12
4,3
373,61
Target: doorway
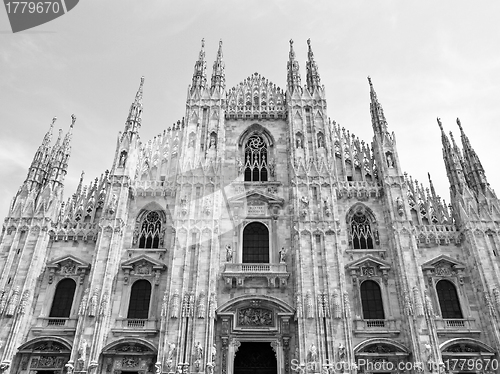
255,358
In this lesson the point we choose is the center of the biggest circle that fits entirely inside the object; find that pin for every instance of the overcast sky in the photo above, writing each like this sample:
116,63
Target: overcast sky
426,59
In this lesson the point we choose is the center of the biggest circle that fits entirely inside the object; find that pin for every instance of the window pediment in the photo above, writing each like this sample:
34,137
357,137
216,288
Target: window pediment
68,266
142,266
443,266
368,267
256,195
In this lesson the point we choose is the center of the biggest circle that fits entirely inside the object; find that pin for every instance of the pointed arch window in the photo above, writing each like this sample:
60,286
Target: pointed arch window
255,243
371,300
448,300
361,231
140,295
63,299
256,169
150,231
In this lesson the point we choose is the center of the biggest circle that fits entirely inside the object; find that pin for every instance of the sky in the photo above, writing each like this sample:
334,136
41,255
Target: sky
427,59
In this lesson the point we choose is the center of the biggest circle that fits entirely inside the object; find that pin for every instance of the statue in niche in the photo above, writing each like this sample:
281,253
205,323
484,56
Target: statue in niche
214,352
399,205
229,253
272,168
341,352
198,351
282,255
240,165
171,350
210,368
123,159
213,142
390,160
298,142
313,353
321,141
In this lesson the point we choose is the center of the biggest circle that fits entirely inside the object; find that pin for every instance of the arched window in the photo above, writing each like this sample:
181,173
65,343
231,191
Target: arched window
256,160
448,300
371,300
150,231
256,243
138,308
63,298
361,231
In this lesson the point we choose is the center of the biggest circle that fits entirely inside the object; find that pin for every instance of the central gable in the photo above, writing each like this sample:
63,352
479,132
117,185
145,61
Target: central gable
256,97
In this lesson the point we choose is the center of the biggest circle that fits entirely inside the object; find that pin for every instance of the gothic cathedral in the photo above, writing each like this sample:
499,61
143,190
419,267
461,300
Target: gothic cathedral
254,236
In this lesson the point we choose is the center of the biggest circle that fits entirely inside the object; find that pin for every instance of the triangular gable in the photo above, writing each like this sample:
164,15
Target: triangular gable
368,260
443,260
141,262
256,194
68,261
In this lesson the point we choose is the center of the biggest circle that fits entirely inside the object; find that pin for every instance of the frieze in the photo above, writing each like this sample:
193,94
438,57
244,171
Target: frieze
255,317
47,362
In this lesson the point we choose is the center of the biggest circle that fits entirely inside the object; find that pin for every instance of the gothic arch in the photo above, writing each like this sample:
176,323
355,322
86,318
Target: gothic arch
138,341
269,300
158,240
362,227
398,347
64,342
256,129
469,341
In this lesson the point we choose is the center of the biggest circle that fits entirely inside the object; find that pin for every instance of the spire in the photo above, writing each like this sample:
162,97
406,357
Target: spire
200,67
134,118
218,74
378,119
433,191
472,165
60,156
452,162
79,188
312,74
38,168
293,74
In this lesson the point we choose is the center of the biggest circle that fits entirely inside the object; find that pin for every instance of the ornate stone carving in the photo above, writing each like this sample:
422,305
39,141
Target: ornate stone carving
213,305
143,268
175,305
419,306
229,253
83,304
312,354
337,309
202,302
309,305
104,304
255,317
298,305
408,307
44,362
13,301
347,305
93,303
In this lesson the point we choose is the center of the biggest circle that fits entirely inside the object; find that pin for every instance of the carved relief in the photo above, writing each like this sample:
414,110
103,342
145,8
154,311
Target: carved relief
255,317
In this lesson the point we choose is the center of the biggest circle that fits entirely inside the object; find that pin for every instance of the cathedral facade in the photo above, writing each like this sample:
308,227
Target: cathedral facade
255,235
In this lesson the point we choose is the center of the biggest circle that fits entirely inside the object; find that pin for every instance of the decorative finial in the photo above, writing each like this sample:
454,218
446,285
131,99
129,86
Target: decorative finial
73,120
203,43
309,42
440,124
370,82
291,43
459,124
54,119
220,43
